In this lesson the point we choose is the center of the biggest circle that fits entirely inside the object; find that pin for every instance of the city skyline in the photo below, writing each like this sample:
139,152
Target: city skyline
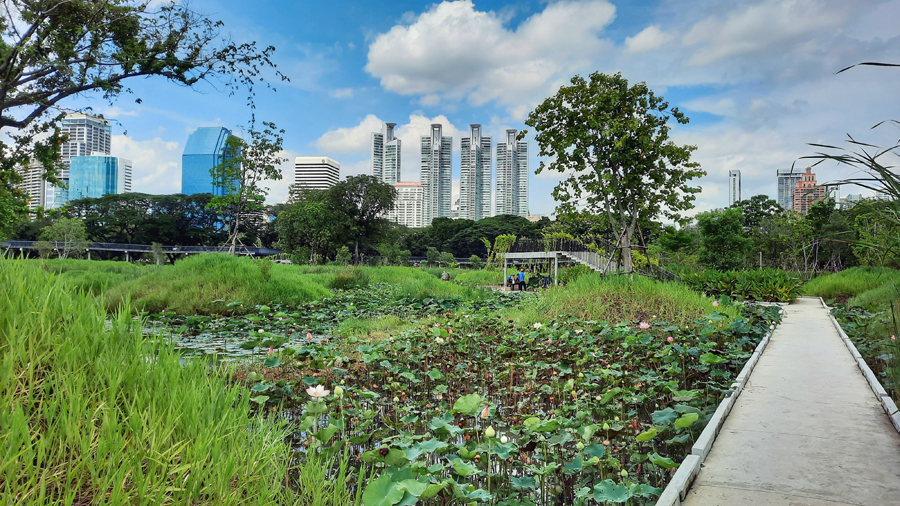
491,62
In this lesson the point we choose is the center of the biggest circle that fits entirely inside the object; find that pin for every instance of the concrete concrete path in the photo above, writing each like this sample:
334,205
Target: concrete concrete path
807,429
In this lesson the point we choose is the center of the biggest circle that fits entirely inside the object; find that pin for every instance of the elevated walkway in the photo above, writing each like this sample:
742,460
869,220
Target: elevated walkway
806,430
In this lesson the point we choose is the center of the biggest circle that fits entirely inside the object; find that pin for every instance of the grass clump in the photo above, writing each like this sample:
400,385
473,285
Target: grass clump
480,277
203,283
94,412
351,278
853,283
618,298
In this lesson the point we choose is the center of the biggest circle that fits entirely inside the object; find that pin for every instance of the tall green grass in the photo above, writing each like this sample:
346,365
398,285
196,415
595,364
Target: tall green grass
616,299
480,277
97,413
854,283
194,284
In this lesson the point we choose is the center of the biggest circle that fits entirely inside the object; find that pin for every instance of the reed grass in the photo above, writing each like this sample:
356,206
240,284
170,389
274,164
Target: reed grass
853,283
618,299
205,283
94,412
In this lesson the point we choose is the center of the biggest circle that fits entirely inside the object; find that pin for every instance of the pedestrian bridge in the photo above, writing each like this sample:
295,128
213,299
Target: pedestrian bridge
103,249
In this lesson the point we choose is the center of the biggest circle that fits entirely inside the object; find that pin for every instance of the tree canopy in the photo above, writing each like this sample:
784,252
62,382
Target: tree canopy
51,50
611,140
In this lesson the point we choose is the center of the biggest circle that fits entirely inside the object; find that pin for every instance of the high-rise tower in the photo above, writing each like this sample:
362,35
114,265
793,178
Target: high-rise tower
734,187
436,152
475,175
87,135
512,176
205,150
315,173
787,181
385,162
98,175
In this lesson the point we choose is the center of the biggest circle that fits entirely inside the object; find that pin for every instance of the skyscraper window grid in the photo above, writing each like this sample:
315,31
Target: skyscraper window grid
436,158
512,176
204,150
475,175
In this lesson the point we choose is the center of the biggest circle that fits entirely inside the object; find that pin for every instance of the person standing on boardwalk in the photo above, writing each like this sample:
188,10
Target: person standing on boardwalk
522,279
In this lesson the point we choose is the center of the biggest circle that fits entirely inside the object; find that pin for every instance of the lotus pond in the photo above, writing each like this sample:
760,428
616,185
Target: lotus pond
464,406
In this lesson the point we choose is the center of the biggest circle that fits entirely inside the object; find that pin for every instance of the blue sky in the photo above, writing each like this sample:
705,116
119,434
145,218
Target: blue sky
756,78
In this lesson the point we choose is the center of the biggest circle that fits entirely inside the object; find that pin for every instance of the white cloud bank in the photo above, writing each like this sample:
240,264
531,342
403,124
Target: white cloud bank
454,51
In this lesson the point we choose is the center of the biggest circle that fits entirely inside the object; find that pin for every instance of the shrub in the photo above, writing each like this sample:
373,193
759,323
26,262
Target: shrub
771,285
265,267
476,262
343,255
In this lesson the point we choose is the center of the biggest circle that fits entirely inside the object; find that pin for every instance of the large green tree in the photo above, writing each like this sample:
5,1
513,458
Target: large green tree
307,223
612,142
363,201
51,50
723,242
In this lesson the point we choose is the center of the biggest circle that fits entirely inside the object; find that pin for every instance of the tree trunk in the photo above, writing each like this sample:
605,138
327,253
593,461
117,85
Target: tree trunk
356,250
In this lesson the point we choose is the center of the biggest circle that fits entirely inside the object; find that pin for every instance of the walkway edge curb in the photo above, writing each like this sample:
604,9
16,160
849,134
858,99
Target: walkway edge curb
887,404
678,486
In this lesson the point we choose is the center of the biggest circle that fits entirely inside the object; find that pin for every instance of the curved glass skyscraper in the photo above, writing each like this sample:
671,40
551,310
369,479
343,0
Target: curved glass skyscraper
204,150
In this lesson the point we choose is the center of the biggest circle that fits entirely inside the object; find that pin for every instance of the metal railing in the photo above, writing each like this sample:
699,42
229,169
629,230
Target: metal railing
145,248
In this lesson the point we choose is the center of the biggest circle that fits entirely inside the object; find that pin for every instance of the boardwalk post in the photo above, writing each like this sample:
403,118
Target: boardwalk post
504,272
126,256
556,270
89,254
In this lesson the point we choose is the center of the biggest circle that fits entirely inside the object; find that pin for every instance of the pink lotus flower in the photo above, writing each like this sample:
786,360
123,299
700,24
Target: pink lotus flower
644,325
271,350
318,392
669,339
486,412
715,303
309,335
893,337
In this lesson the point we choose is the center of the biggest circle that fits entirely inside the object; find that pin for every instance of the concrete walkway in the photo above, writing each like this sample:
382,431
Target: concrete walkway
807,429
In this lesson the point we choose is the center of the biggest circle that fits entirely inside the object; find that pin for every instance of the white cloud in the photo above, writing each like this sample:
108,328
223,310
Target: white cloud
649,39
341,93
156,164
455,51
771,25
349,140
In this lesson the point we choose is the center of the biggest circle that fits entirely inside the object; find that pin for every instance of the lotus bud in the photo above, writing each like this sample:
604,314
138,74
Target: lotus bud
489,432
624,473
396,399
580,446
486,412
504,439
338,392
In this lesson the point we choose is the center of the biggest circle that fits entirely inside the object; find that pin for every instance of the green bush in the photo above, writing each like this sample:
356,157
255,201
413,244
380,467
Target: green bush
771,285
93,411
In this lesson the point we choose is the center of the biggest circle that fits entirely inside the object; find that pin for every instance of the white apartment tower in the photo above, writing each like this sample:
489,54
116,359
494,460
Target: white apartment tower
512,176
734,187
787,181
436,152
407,209
315,173
475,175
33,184
385,162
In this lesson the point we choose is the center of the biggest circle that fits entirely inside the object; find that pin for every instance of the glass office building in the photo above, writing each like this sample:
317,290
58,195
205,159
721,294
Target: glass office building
96,176
205,149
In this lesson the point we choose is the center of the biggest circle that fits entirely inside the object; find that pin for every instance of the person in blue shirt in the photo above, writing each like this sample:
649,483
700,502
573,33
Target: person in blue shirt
522,279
